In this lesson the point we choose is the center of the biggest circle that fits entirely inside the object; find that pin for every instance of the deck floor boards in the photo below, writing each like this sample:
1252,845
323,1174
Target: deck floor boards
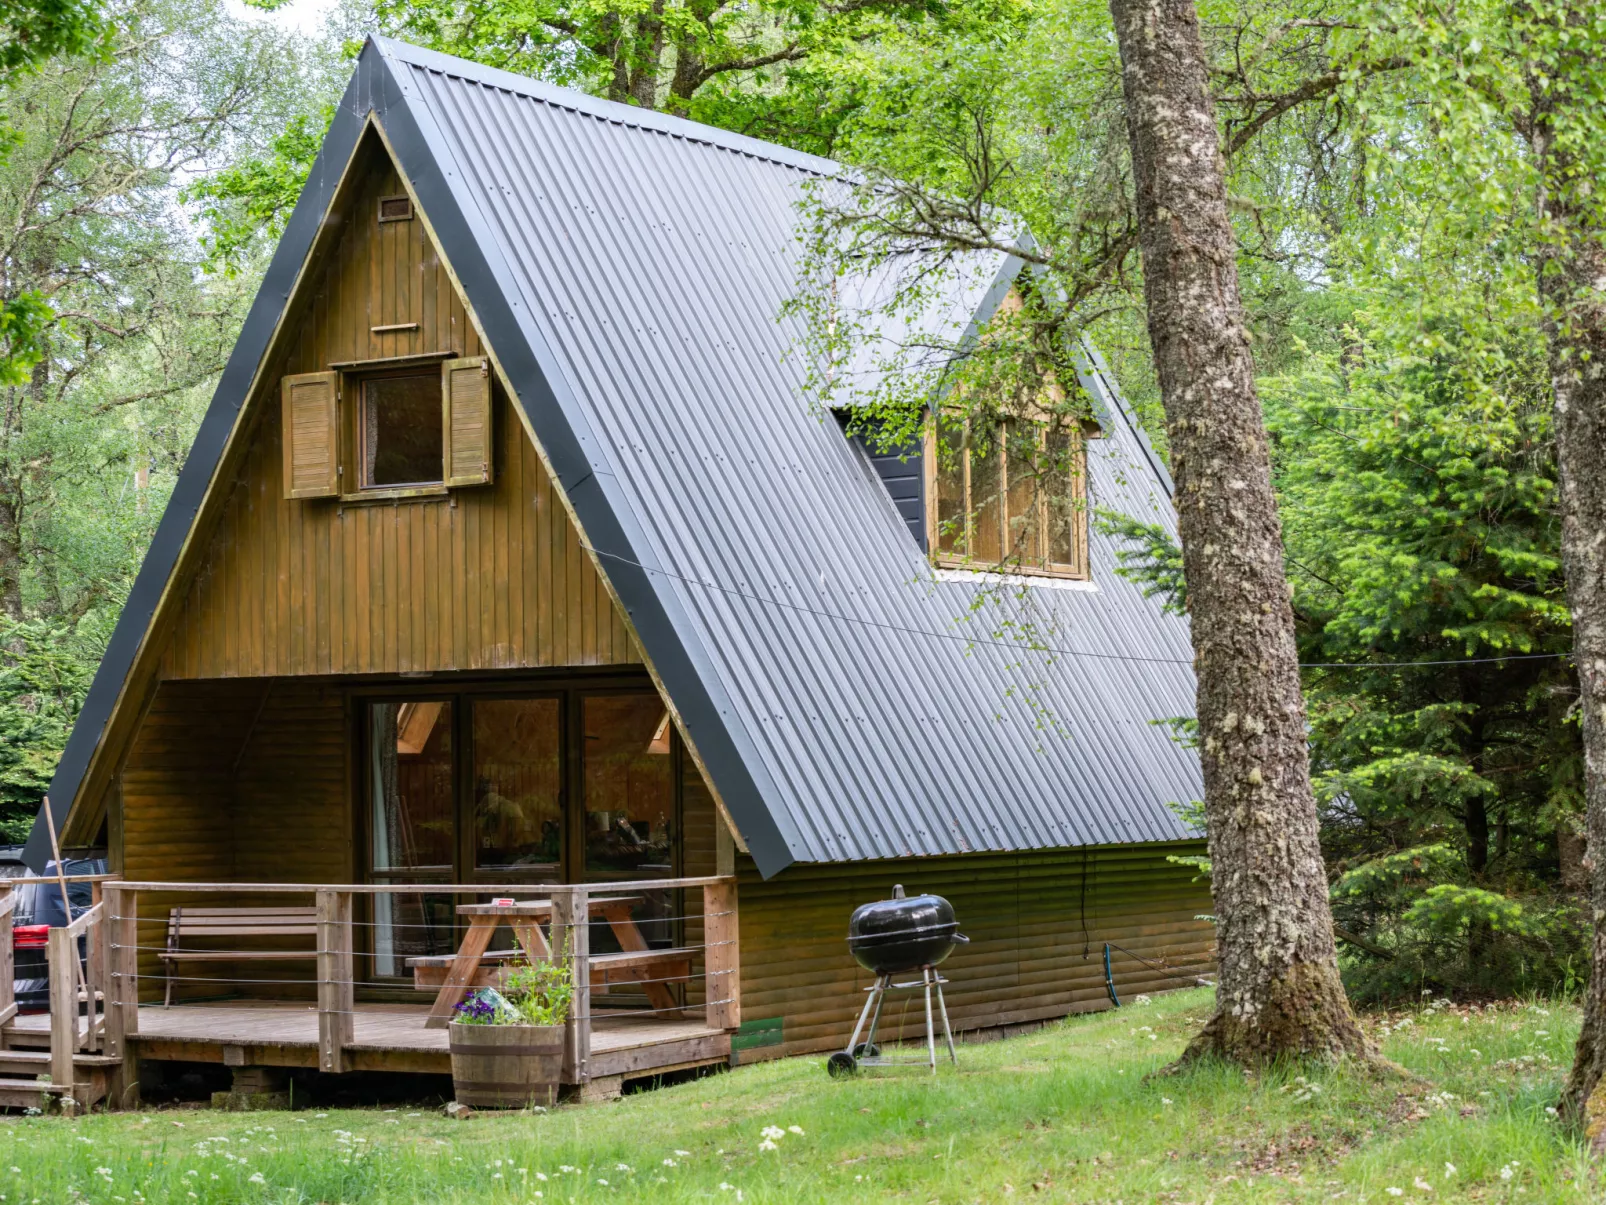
617,1039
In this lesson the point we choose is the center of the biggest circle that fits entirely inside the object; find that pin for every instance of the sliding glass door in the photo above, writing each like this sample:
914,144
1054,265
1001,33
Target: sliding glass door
568,785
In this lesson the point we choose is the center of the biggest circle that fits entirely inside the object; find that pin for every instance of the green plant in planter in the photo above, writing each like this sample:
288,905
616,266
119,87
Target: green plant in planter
541,992
533,993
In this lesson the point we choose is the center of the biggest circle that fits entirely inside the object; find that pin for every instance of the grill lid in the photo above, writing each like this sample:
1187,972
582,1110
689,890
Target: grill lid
903,933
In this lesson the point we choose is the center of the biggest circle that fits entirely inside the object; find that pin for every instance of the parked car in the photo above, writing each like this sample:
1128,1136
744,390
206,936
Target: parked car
38,909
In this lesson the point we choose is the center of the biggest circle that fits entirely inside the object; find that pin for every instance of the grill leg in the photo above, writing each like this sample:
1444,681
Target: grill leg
942,1009
874,999
882,982
931,1033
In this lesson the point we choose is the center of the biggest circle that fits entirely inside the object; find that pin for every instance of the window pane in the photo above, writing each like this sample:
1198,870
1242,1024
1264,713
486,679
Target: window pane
411,747
1063,470
628,789
401,435
1022,456
951,487
410,828
986,483
518,801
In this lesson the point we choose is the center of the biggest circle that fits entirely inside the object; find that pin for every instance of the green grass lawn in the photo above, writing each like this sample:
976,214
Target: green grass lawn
1063,1114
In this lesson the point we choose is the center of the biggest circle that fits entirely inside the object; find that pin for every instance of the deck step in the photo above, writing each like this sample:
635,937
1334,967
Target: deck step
27,1093
27,1060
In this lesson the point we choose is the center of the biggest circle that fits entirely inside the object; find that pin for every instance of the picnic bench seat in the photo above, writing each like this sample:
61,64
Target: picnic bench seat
607,970
184,925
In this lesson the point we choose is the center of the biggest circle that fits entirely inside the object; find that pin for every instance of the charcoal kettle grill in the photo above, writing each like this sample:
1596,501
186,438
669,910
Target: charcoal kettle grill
899,936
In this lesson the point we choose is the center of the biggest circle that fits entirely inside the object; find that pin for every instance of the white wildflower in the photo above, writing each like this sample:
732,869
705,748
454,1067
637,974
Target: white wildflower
768,1145
257,1178
795,1130
1394,1192
1422,1185
1449,1170
682,1154
670,1163
773,1132
1506,1173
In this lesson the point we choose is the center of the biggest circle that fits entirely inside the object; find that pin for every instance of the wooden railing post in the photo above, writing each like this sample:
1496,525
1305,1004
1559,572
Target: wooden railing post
722,971
337,990
8,962
122,968
121,924
571,931
61,951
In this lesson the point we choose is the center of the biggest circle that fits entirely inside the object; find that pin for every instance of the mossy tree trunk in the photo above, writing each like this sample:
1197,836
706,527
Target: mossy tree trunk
1279,992
1571,282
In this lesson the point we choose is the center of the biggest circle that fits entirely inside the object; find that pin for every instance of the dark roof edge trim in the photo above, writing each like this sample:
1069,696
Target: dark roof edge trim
579,461
200,466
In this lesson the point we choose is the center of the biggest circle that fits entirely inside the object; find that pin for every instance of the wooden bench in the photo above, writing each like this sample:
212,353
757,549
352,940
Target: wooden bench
187,924
607,970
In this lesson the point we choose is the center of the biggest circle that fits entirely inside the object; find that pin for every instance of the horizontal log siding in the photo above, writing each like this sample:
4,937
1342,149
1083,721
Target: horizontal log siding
698,857
489,577
235,780
1032,955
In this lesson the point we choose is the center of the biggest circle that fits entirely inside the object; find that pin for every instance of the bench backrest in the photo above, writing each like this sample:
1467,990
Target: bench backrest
241,922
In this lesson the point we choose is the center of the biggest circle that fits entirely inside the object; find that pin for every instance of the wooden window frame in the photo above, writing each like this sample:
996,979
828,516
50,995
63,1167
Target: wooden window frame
353,386
350,379
1078,570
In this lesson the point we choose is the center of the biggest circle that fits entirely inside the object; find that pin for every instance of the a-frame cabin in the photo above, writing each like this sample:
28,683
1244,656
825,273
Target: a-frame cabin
510,559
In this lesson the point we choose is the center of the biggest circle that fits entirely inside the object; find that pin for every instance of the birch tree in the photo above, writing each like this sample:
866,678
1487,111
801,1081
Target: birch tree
1279,991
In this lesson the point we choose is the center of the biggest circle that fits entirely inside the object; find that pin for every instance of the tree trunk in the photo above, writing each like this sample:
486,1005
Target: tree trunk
1570,277
1279,991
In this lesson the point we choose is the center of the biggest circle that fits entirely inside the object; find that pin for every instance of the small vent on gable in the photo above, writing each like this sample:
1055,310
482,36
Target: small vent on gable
395,209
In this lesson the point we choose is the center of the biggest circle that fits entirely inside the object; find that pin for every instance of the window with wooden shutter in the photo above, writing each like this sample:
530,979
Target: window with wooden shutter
466,395
311,403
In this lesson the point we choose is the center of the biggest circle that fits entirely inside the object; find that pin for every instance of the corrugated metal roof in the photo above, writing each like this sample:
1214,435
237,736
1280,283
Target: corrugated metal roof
629,270
652,258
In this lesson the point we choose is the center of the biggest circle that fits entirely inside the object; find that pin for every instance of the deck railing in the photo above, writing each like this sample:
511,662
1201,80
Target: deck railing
114,952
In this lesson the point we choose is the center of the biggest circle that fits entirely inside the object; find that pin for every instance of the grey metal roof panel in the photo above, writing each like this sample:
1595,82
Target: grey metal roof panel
628,270
653,258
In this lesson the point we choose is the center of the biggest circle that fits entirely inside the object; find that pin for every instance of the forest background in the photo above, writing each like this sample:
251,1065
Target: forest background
1388,247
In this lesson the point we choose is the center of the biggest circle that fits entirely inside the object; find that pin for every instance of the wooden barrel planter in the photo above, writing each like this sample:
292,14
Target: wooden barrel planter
505,1066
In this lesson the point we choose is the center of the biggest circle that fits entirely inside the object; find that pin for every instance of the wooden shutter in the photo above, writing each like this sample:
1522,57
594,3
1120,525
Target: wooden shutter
466,395
312,435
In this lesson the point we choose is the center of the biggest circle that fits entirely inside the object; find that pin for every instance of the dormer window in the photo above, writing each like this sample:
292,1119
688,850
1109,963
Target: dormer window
1009,495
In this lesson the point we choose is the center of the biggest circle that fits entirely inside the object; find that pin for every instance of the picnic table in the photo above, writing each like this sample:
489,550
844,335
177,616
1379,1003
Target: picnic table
474,962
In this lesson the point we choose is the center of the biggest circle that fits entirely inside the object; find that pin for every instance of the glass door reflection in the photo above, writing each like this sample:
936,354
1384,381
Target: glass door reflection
411,828
628,794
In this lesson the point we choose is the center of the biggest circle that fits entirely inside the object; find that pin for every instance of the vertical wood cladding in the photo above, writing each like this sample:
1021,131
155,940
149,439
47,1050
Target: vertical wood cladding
487,577
1037,940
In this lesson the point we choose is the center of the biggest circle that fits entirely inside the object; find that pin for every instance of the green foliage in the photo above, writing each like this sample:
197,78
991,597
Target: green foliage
542,991
24,320
1150,558
245,206
32,31
44,677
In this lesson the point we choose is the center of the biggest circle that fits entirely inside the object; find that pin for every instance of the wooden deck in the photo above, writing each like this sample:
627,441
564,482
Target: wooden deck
388,1037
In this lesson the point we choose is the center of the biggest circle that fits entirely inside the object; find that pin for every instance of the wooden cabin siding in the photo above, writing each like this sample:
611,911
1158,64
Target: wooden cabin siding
1036,948
235,780
488,577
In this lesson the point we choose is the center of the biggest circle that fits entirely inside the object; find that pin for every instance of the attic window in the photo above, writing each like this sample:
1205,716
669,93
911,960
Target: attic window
399,431
1008,494
395,209
383,428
